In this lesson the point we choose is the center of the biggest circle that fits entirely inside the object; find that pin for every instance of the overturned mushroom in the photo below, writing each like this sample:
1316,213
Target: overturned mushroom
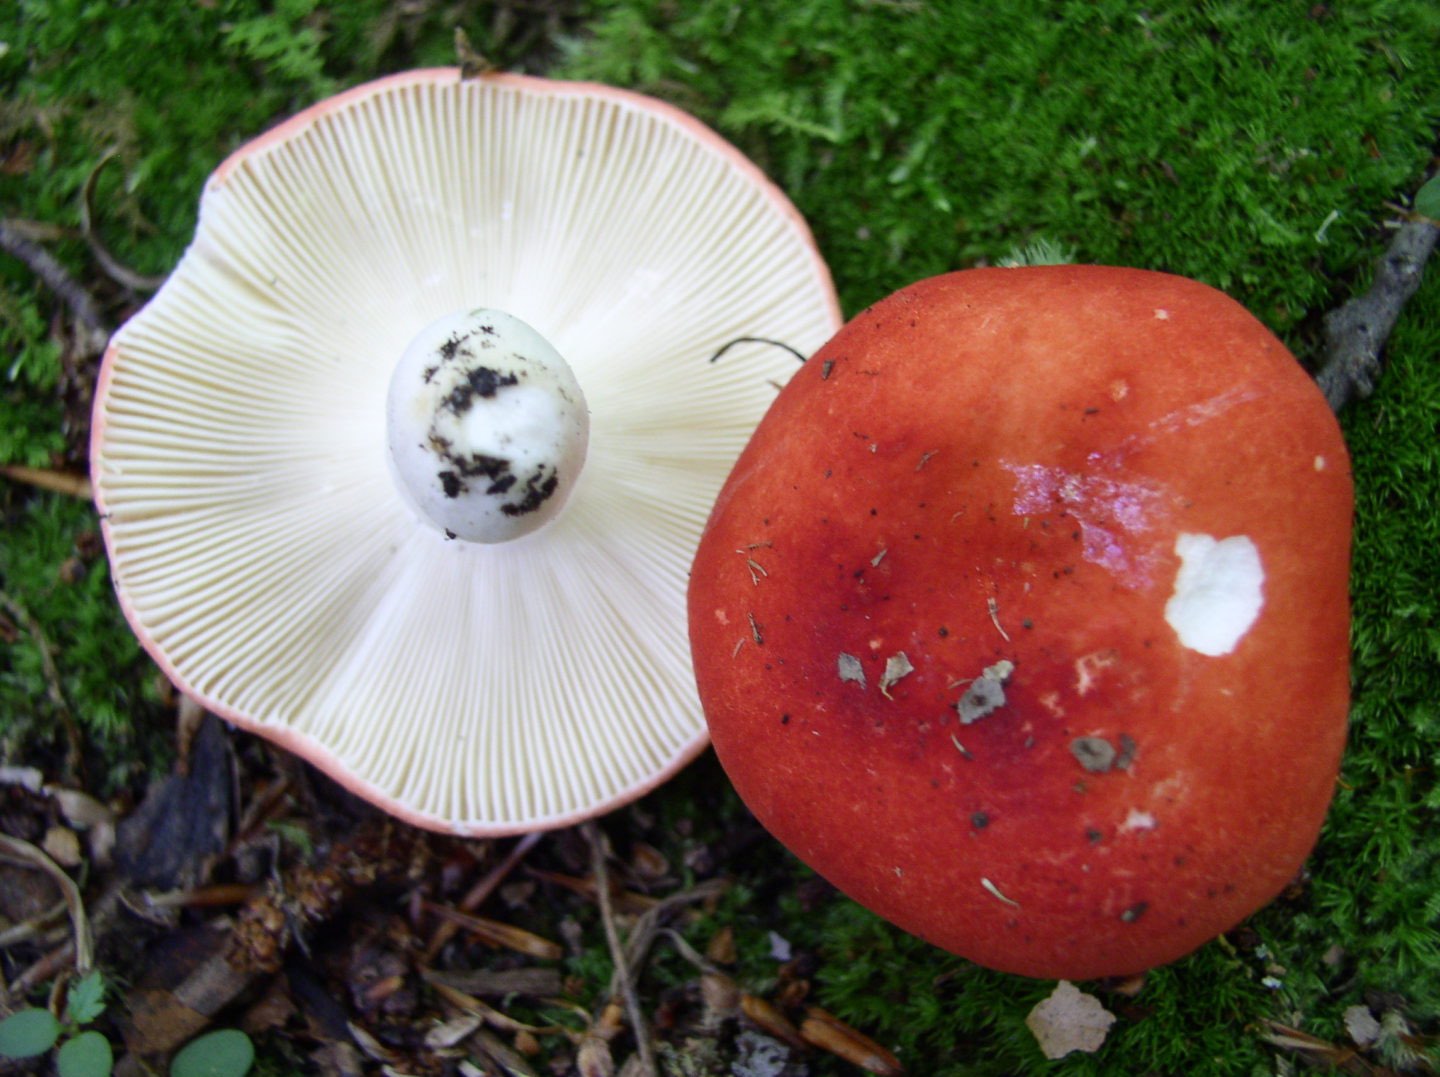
1117,516
404,465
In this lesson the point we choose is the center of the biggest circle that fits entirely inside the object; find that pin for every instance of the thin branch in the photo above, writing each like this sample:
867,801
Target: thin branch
117,270
472,62
35,857
1355,333
482,890
648,924
60,482
617,950
49,966
55,277
758,340
36,927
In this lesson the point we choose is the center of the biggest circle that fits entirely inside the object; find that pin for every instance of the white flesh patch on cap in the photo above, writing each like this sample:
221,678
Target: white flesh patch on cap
487,426
1136,819
1218,592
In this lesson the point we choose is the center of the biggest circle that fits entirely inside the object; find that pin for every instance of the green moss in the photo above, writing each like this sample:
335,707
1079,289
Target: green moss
1378,869
72,668
917,138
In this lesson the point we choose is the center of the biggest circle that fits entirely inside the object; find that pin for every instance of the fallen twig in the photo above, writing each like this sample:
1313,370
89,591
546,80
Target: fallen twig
39,231
36,927
200,897
497,933
647,925
824,1030
51,965
55,277
60,482
468,1003
472,62
507,1060
497,983
625,901
35,857
236,953
117,270
1356,331
767,1017
477,894
1321,1053
618,955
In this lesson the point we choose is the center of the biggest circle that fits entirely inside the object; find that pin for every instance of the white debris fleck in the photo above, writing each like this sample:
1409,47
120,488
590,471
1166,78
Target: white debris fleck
1139,820
850,669
994,607
1088,668
757,1055
897,666
27,777
986,693
1069,1020
994,891
1362,1026
1218,592
780,948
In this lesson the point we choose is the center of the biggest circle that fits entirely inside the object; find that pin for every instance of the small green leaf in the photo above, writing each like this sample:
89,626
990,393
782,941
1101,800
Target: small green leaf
1427,198
28,1033
86,999
227,1052
297,836
87,1055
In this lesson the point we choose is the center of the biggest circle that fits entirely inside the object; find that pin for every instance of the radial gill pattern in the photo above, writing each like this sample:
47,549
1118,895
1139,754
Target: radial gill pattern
258,544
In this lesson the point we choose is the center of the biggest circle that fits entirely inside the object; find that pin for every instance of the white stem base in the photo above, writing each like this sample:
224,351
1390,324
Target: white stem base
487,427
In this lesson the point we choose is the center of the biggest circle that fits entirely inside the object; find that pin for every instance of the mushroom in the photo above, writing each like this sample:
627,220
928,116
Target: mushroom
404,465
1045,656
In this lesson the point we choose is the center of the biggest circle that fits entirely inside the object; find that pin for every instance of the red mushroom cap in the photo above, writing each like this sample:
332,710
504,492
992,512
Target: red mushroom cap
1023,617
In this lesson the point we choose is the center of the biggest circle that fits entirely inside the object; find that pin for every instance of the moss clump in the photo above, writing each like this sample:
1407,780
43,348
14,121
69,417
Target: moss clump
1250,150
75,691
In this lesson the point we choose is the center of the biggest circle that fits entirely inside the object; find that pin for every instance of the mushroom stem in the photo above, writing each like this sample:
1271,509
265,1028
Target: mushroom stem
487,427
